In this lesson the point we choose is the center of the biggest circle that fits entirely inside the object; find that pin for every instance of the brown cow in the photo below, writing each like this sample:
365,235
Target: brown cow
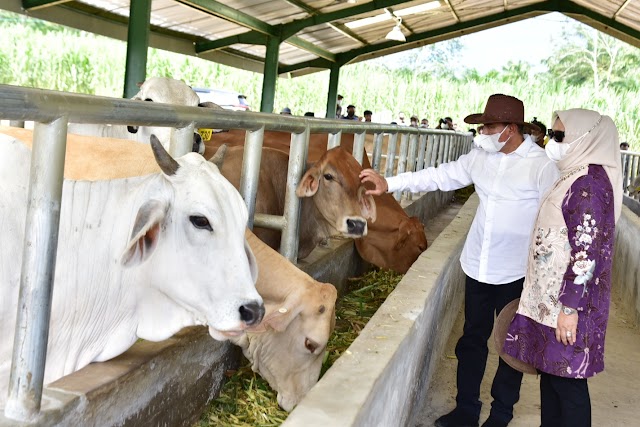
287,348
394,241
333,200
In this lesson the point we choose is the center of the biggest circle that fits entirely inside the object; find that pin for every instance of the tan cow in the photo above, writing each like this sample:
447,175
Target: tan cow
333,200
287,348
394,241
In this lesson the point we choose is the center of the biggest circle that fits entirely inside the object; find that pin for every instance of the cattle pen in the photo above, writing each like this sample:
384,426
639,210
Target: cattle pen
388,369
52,111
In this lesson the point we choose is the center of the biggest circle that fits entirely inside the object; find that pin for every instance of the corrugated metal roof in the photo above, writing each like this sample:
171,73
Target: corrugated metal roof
315,33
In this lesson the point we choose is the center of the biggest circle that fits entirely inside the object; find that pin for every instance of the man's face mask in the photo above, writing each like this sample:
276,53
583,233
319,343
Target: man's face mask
490,143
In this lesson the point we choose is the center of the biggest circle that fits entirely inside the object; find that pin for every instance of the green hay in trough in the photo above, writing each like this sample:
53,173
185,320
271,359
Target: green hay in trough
246,400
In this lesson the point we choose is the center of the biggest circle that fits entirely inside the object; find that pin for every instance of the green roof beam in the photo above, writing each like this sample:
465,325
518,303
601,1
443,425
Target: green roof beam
230,14
252,37
570,8
255,38
315,63
311,48
41,4
342,29
293,27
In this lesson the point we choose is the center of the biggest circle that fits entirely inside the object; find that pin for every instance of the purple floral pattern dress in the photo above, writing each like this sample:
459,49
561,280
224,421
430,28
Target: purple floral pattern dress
588,211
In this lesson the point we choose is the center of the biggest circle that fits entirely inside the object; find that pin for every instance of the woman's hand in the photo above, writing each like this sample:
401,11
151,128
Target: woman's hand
567,328
370,175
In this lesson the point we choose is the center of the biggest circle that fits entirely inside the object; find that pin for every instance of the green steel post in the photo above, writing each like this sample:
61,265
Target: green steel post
270,75
137,46
332,97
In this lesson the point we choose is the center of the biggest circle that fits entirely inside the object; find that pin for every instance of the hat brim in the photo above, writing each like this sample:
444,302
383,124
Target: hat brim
480,118
500,329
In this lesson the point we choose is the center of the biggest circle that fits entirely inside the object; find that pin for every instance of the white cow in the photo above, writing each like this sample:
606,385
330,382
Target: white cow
155,89
138,257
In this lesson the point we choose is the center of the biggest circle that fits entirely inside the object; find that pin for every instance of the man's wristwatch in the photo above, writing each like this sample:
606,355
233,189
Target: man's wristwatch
568,310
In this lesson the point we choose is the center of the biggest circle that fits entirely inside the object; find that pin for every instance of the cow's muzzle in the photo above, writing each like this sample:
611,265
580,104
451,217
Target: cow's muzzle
252,313
356,227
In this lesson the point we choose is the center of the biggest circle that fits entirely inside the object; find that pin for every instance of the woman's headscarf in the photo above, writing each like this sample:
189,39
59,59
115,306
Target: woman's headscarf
599,146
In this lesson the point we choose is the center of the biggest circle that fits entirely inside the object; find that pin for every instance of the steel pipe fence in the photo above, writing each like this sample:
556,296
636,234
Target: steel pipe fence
52,111
630,172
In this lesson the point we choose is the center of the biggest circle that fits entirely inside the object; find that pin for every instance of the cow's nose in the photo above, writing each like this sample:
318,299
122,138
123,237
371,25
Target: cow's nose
310,345
251,313
356,226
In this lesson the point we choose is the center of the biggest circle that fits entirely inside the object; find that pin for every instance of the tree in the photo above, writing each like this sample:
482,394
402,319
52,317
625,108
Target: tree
435,59
586,56
515,72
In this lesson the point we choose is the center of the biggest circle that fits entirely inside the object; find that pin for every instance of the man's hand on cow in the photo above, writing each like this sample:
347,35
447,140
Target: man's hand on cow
370,175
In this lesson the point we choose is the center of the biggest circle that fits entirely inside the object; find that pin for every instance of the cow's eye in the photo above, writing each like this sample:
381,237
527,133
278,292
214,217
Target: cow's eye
328,176
149,99
200,222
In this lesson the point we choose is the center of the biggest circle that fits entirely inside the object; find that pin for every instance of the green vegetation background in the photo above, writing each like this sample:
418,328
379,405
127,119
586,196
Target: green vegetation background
591,70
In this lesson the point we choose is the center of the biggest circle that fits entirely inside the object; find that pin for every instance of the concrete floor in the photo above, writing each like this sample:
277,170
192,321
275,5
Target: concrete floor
615,393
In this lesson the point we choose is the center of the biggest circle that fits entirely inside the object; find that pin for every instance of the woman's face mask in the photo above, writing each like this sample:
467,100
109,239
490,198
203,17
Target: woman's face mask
490,143
557,151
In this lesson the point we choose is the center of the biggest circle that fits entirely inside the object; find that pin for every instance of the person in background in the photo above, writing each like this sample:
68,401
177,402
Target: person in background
624,146
351,113
367,115
561,321
424,123
445,124
510,174
414,121
286,111
538,135
339,107
401,120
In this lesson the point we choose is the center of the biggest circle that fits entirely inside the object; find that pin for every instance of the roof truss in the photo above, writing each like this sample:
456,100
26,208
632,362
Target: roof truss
259,32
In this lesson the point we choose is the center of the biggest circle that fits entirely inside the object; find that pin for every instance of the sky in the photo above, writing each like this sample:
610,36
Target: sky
529,40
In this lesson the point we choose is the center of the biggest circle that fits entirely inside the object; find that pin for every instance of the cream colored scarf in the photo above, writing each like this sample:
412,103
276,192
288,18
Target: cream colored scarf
599,146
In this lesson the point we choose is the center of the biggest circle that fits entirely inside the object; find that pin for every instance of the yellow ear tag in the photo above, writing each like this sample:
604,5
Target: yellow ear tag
205,133
283,310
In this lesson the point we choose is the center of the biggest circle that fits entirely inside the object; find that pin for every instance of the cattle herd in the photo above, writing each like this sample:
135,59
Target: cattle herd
149,244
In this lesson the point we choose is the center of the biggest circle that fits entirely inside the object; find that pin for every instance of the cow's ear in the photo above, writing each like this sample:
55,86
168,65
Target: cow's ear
309,183
367,204
145,233
280,319
279,316
403,235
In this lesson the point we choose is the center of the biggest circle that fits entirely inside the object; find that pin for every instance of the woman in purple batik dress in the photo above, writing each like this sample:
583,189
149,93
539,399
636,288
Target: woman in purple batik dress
562,318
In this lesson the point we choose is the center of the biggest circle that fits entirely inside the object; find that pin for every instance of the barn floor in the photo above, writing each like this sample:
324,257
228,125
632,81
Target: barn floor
614,393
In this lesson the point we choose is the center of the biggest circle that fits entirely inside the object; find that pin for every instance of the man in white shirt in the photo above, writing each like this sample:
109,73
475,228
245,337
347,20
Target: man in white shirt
511,174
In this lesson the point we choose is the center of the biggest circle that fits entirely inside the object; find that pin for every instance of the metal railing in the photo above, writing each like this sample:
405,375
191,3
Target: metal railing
630,171
52,111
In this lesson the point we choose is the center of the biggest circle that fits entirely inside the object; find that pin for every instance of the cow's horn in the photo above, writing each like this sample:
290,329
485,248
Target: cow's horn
167,163
218,158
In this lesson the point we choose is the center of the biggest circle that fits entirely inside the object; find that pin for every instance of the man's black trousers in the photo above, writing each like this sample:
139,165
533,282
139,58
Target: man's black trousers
483,302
